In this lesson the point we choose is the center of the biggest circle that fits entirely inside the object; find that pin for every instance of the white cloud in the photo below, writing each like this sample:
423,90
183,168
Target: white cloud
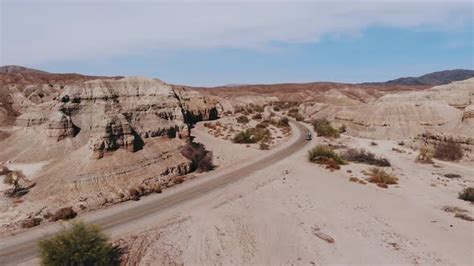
34,32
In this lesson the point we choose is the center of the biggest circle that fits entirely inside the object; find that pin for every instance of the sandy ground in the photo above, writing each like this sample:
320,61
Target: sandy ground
299,213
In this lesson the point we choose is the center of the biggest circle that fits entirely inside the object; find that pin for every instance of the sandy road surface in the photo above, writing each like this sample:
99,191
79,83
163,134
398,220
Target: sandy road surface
22,247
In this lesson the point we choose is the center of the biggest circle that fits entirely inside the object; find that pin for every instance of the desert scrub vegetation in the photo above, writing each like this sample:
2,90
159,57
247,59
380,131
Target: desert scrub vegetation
253,135
257,116
325,155
201,159
294,112
381,178
448,151
324,128
80,244
13,178
467,194
284,122
242,119
264,145
424,155
363,156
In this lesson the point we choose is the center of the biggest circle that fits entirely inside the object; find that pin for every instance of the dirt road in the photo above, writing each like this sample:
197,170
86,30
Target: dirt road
22,247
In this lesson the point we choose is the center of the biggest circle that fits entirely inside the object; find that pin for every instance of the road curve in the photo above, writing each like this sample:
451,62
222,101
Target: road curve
22,247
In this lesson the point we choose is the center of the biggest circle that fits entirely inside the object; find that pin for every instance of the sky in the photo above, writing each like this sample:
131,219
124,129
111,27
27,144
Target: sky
209,43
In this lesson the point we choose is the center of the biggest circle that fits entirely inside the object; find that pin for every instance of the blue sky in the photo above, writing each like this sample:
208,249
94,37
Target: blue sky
205,43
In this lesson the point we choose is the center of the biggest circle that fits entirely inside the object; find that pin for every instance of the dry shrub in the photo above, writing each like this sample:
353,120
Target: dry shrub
362,156
398,150
467,194
448,151
65,213
324,128
325,155
354,179
253,135
373,143
264,146
284,122
210,125
257,116
424,156
263,124
242,119
379,176
464,216
294,112
201,159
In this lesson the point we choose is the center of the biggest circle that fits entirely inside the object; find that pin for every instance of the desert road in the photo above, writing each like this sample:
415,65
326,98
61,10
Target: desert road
22,247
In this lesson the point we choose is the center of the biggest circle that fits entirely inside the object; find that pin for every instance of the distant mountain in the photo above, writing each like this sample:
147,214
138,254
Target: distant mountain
18,69
435,78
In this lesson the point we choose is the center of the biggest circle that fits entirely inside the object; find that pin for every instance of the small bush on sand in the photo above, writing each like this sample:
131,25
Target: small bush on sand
242,119
467,194
362,156
201,159
424,156
325,155
264,146
343,129
324,128
283,122
257,116
373,143
448,151
263,124
244,137
381,178
65,213
81,244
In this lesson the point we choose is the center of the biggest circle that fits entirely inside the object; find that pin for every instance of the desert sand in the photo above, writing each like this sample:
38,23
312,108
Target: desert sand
296,212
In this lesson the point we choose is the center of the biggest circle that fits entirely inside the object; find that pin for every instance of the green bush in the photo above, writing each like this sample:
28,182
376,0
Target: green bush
467,194
322,154
324,128
81,244
244,137
253,135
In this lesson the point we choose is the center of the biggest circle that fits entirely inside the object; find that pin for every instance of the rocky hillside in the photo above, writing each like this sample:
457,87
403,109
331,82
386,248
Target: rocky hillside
100,139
